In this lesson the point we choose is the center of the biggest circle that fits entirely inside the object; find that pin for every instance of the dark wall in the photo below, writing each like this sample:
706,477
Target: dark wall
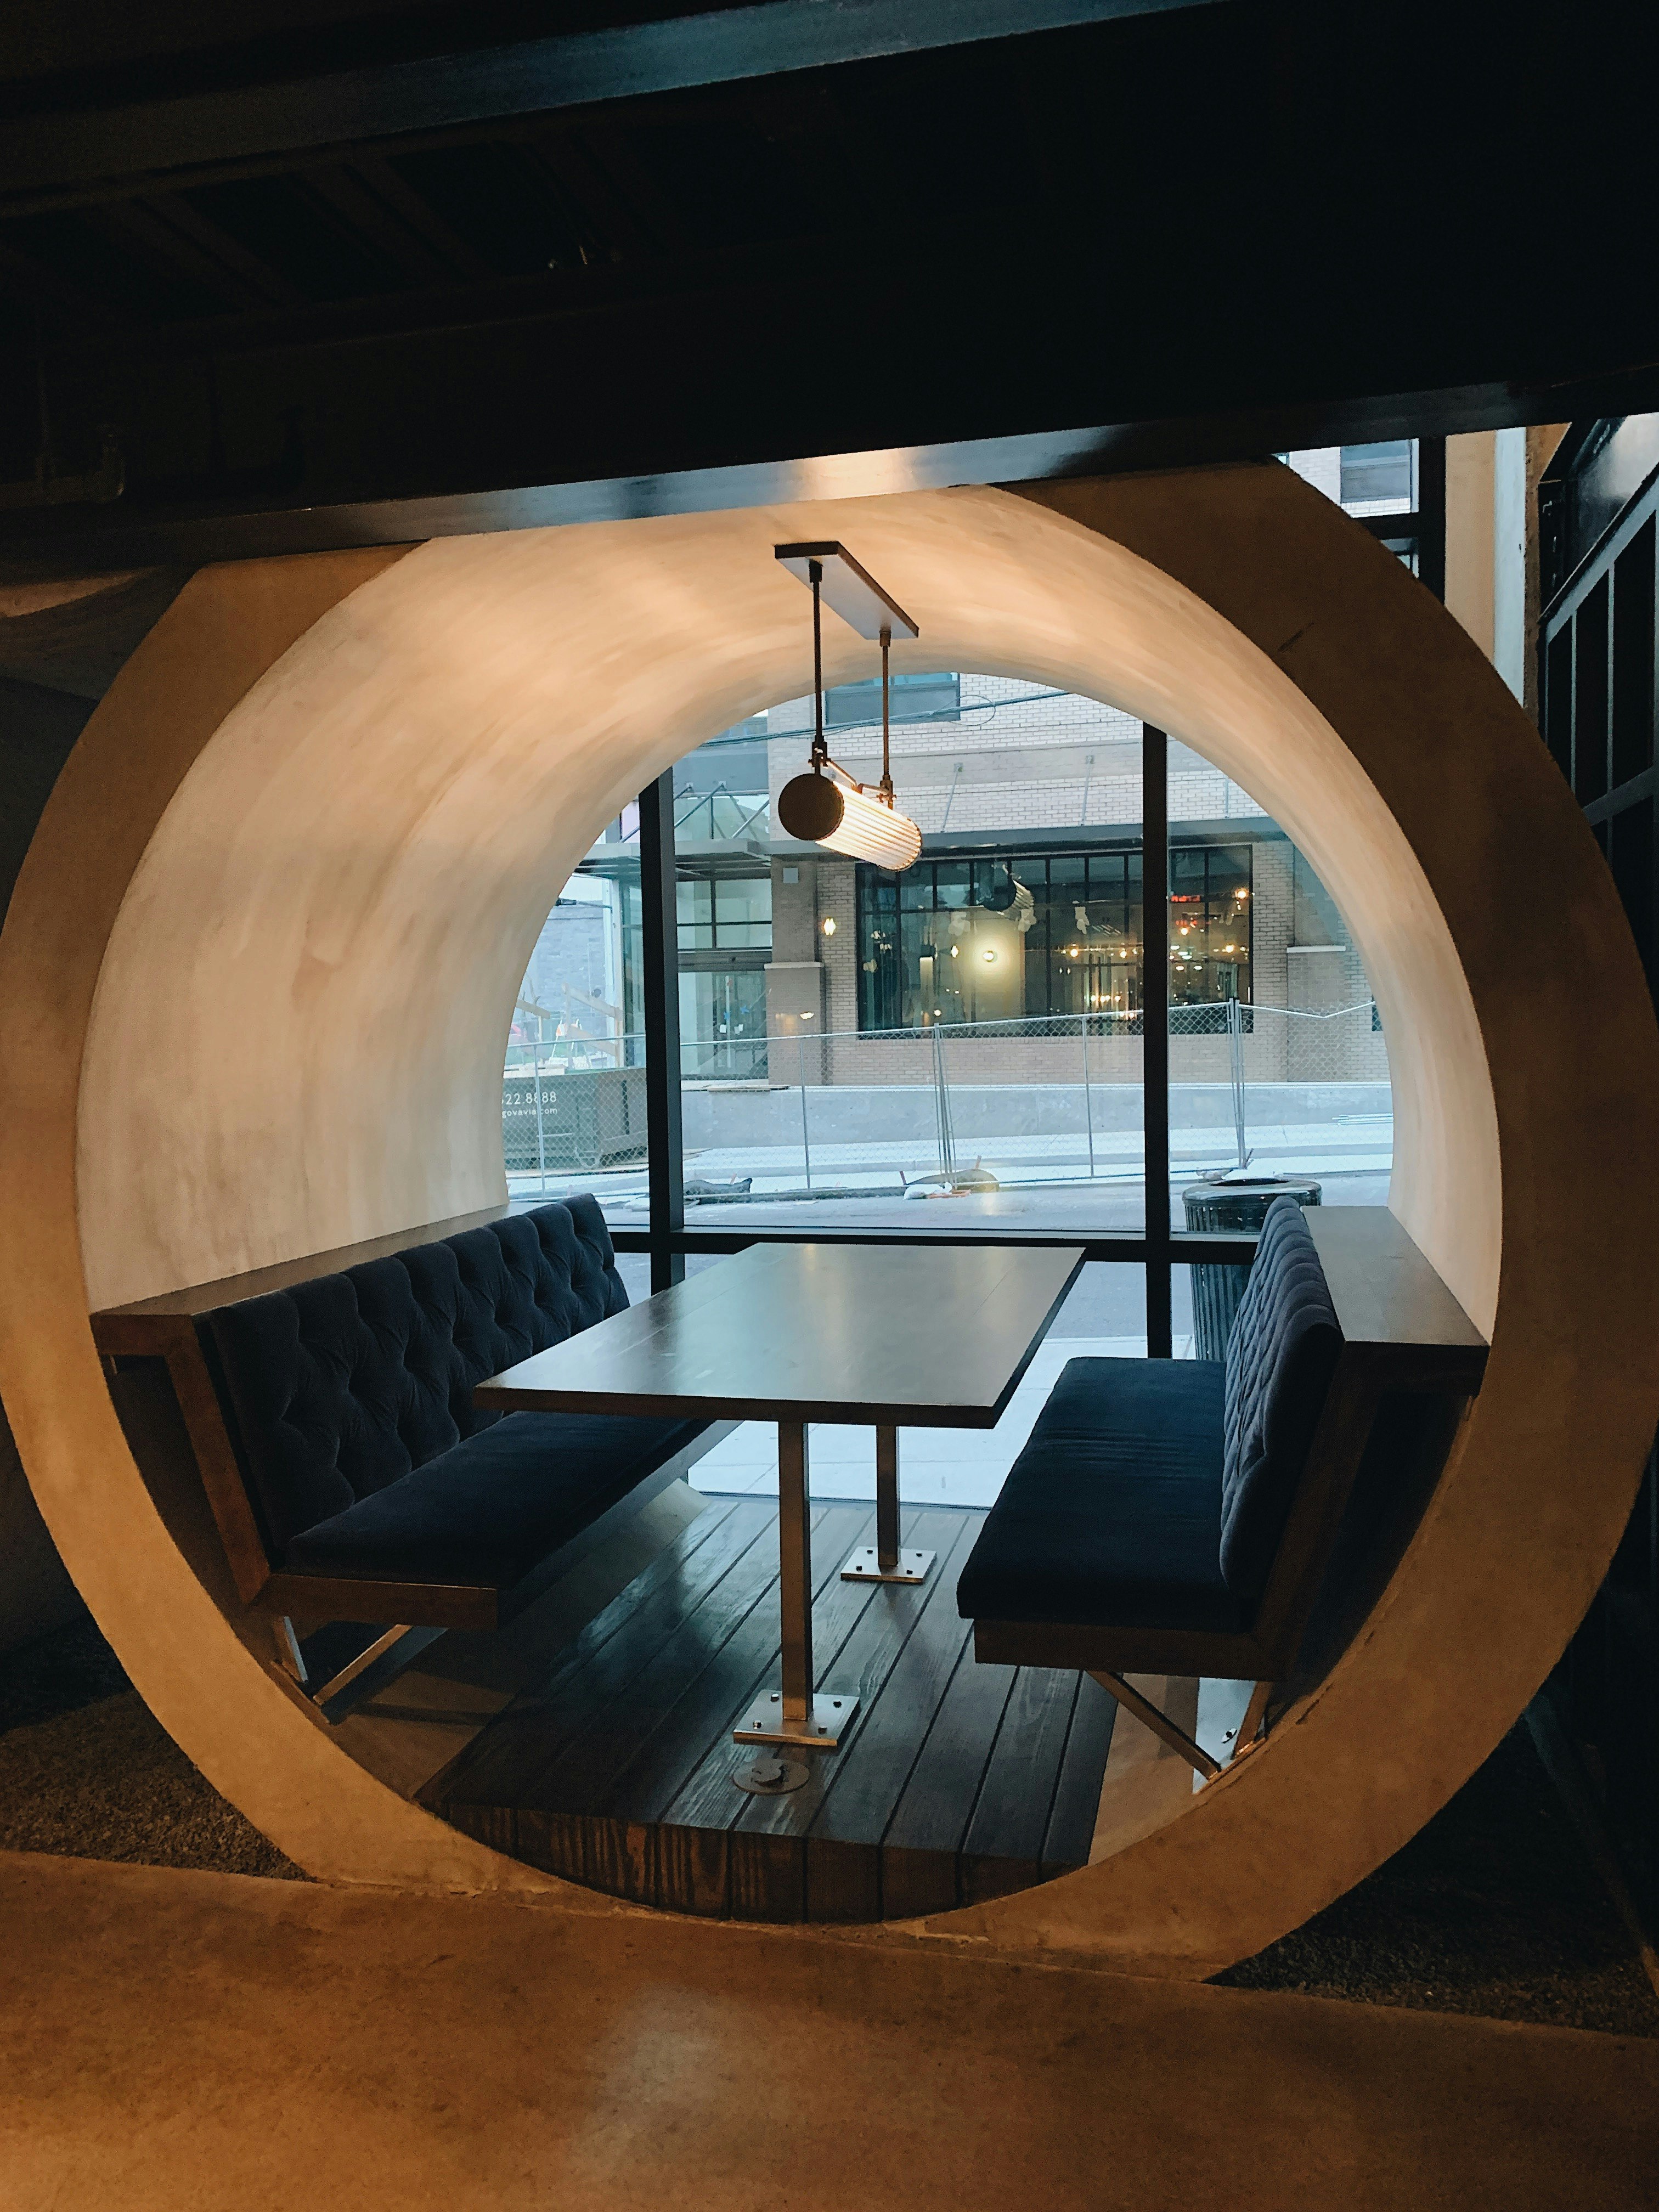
38,728
1597,660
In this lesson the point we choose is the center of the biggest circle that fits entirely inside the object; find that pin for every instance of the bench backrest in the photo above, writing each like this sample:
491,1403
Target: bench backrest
341,1385
1281,1357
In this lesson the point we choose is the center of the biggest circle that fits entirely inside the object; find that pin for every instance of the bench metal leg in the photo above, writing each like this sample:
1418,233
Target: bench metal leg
792,1713
883,1561
1161,1726
375,1665
287,1649
1254,1713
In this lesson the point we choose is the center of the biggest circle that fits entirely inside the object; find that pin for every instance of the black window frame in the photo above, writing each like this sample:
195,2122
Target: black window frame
1160,1247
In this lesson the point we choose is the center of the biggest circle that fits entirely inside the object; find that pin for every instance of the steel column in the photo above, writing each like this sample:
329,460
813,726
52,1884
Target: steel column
664,1148
1155,1027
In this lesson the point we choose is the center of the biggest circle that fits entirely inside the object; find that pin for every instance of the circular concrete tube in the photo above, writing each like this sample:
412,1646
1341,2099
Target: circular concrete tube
263,955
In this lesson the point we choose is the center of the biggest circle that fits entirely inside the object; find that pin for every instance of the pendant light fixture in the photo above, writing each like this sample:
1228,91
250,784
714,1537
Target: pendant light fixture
842,815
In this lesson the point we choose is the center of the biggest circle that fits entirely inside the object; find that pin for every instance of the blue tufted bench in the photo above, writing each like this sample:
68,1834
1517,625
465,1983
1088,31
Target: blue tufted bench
1172,1516
379,1493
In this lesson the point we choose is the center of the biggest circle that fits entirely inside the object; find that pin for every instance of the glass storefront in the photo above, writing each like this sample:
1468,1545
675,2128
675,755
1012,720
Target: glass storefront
1035,935
724,913
960,1047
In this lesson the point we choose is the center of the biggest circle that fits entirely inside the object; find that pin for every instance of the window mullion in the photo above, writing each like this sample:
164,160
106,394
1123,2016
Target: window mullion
659,917
1155,1033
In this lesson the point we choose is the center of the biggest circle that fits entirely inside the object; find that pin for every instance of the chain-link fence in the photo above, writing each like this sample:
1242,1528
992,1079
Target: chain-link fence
979,1106
562,1115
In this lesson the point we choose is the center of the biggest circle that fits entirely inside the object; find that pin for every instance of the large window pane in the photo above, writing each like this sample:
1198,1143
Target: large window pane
581,1015
573,1089
1376,479
958,1046
1279,1072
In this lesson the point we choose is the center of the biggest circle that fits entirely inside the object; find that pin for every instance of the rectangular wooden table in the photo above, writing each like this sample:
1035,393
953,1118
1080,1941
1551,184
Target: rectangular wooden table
887,1336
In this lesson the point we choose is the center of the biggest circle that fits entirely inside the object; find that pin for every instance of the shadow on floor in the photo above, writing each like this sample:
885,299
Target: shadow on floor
1495,1910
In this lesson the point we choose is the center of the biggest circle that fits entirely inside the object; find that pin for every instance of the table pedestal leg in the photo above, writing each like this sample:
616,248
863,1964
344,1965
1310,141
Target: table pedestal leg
792,1713
795,1569
883,1561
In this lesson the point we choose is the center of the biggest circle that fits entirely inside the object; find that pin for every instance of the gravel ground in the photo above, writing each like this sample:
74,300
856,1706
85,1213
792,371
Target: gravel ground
85,1771
1494,1910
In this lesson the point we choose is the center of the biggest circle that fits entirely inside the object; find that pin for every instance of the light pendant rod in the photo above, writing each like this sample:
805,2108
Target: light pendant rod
886,731
820,747
814,807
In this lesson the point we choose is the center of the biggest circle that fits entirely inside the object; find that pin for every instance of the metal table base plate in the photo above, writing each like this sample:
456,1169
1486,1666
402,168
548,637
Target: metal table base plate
864,1565
827,1720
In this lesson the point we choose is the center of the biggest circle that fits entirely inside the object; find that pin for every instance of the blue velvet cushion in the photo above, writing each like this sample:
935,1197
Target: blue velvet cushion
1154,1493
1111,1516
490,1509
345,1384
1281,1356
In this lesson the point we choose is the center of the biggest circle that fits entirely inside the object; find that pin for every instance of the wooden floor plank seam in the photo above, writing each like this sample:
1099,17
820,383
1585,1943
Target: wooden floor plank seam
728,1714
533,1719
954,1783
593,1764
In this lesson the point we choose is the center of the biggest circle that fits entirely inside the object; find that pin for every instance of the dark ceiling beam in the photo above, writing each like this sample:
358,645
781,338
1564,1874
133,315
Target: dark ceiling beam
515,309
603,218
364,211
152,230
445,246
650,205
31,279
253,275
48,160
71,545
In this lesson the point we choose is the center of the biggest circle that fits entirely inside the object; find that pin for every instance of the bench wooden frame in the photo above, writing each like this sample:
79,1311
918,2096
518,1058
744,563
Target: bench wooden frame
165,1329
1402,1331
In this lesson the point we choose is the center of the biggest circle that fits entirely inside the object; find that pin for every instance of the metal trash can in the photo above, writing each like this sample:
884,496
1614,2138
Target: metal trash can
1230,1209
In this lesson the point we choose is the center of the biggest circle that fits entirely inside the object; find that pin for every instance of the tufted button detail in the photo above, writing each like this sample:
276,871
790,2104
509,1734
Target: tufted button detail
344,1385
1281,1356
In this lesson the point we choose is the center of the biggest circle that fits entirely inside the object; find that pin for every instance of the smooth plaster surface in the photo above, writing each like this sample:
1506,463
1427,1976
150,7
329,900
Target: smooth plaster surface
174,2040
310,924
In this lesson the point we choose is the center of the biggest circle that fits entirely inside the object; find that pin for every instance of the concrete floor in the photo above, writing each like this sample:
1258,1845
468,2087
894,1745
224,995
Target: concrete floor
184,2041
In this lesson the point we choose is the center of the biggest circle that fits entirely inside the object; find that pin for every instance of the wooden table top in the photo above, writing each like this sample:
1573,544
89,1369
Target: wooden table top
896,1336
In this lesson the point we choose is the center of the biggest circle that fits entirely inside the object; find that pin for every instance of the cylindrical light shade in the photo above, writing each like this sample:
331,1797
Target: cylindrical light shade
823,812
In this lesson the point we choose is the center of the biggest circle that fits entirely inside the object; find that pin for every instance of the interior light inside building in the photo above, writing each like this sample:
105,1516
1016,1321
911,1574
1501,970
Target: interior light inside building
816,807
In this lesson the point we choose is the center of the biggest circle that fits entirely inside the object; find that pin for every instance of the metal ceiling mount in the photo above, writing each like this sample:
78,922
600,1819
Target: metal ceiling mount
842,815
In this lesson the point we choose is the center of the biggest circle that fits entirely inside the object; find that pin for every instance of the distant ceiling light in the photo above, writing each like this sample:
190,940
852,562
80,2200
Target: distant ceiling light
987,956
828,925
842,815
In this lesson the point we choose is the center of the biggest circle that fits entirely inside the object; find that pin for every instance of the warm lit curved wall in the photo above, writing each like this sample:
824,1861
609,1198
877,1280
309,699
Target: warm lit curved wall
300,1005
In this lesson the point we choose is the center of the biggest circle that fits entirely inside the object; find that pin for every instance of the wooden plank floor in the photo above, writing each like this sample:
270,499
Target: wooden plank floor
957,1783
